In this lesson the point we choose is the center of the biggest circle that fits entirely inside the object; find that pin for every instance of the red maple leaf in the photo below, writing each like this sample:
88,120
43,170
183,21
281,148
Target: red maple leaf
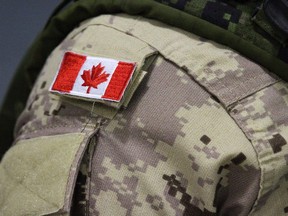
95,78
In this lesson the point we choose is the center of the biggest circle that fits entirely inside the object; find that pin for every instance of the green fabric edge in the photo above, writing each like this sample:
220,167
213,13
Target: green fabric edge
264,24
64,22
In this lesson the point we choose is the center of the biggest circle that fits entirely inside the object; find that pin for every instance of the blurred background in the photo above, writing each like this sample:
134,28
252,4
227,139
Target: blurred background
20,22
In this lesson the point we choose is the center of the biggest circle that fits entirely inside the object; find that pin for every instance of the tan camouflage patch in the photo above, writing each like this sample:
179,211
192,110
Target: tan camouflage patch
162,155
225,73
263,118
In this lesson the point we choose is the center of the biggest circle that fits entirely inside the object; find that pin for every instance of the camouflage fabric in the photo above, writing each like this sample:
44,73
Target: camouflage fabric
238,18
240,36
201,135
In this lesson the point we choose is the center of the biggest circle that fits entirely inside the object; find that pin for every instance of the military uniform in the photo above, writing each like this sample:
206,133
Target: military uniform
201,130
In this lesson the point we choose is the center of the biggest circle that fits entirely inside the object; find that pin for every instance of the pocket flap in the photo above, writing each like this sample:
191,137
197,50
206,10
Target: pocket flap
37,175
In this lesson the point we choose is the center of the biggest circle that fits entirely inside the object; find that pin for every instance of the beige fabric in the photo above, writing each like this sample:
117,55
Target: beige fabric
169,151
224,72
34,174
199,137
109,43
263,117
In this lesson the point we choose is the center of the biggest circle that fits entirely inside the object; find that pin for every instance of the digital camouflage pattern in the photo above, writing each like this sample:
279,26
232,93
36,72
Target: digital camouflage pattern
147,164
199,137
232,23
239,18
263,118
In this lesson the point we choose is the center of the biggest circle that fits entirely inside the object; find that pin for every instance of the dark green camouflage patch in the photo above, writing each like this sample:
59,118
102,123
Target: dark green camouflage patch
237,17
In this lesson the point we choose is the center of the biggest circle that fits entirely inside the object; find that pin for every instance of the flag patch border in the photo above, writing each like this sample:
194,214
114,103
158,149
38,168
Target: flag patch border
114,82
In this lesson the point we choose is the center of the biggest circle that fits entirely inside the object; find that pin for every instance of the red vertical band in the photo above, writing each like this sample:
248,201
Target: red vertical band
119,81
68,72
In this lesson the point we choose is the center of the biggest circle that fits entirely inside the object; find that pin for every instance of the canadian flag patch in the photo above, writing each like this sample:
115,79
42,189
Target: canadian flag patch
92,77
